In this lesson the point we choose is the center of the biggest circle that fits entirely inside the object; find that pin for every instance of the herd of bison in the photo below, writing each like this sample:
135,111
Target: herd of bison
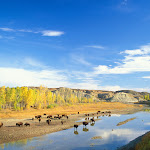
50,118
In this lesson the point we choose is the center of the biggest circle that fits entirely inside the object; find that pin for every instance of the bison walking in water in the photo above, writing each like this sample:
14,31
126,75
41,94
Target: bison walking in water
27,124
75,126
85,123
19,124
1,124
92,120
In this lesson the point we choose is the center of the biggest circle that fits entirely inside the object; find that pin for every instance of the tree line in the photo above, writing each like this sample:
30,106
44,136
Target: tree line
20,98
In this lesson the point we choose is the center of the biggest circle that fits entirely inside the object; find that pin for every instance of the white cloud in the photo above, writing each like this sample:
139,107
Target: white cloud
143,50
44,32
34,63
95,46
52,33
23,77
25,30
146,77
79,60
117,134
7,29
137,60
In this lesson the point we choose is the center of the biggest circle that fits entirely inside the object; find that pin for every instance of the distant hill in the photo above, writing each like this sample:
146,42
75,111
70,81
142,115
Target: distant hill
124,96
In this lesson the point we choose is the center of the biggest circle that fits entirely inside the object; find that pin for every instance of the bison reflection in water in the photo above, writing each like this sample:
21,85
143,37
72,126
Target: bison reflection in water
85,129
92,124
76,132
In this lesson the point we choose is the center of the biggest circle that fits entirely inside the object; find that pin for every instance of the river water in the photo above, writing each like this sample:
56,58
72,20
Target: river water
112,136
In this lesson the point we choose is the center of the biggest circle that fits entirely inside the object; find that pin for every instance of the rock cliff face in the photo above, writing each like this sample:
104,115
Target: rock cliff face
123,97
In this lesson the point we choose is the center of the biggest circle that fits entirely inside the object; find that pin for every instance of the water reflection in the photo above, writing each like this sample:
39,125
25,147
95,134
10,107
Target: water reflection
112,136
92,124
85,129
76,132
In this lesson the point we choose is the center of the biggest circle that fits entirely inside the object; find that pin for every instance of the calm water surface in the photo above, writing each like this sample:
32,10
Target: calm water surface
112,136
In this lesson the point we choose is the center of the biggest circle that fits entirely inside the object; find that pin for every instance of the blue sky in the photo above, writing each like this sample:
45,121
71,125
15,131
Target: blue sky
88,44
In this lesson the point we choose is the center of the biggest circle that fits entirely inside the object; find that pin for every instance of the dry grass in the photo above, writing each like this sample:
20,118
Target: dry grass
72,109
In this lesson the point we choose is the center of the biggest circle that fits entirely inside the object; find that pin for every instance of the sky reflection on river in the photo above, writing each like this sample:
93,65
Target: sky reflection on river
112,136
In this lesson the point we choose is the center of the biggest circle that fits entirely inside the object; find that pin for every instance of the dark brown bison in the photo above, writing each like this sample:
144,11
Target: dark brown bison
1,124
78,112
19,124
38,116
39,120
92,120
49,116
56,117
63,115
85,123
27,124
67,117
48,121
98,111
75,126
59,117
62,122
44,114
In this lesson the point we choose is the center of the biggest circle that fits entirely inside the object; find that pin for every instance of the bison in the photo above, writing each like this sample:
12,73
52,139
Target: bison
92,120
49,116
39,120
85,123
27,124
38,116
19,124
62,122
48,121
1,124
75,126
78,112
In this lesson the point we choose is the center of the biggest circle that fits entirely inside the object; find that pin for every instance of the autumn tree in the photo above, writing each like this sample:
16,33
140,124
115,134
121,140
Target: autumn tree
2,97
